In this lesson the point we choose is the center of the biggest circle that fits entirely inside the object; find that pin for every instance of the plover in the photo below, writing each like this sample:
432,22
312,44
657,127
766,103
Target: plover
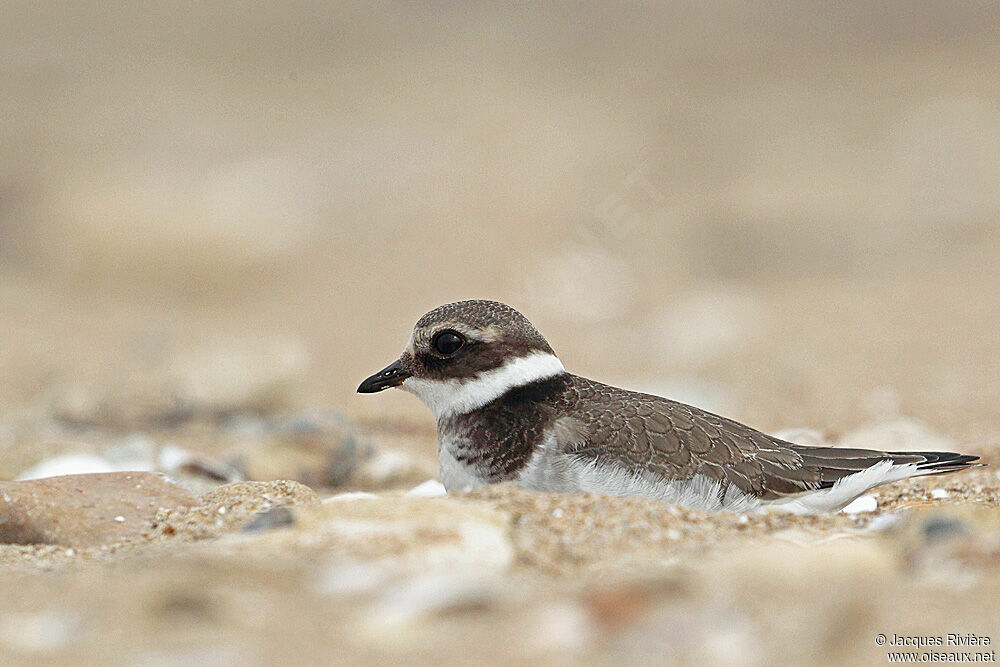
507,410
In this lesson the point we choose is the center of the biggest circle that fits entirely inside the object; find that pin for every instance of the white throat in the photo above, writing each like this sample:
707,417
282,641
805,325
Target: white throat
456,396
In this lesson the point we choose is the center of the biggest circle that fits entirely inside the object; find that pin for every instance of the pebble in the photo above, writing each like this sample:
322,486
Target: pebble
275,517
68,464
179,461
39,632
134,452
438,593
390,467
936,528
319,448
350,495
429,489
861,504
85,510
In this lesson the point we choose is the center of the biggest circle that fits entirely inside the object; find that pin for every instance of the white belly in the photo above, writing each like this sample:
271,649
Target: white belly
552,470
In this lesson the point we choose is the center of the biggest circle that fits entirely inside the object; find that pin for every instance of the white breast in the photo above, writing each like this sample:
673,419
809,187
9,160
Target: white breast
455,475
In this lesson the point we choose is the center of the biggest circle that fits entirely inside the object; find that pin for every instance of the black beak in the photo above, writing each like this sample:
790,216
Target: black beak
390,376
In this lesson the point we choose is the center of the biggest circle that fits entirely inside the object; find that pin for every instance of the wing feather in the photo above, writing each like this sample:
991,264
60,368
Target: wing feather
641,432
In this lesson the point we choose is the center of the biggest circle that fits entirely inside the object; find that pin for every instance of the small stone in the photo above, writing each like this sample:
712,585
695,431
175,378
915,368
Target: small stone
951,548
429,489
85,510
940,494
937,528
276,517
434,594
68,464
39,632
861,504
319,449
178,461
387,468
136,452
350,495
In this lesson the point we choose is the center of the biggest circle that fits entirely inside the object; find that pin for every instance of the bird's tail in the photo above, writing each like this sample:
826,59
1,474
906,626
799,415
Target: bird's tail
835,463
844,474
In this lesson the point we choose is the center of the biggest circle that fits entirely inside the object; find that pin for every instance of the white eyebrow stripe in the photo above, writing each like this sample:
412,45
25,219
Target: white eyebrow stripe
456,396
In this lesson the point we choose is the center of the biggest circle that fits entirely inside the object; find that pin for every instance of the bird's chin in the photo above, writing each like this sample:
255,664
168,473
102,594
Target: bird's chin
440,396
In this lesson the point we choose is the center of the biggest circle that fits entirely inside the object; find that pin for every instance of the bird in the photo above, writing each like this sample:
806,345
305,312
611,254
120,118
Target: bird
508,411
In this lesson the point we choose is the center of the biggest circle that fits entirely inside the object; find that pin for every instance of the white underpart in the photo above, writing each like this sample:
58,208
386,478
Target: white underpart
455,475
846,489
457,396
551,470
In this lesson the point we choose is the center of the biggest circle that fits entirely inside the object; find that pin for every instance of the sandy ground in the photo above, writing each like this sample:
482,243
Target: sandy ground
215,223
504,574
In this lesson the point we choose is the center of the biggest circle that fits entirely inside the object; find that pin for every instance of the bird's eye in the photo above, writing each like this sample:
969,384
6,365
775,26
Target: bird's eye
447,342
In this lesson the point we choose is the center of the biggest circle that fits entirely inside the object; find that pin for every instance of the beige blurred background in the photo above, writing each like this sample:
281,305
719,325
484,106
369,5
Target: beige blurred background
788,213
217,218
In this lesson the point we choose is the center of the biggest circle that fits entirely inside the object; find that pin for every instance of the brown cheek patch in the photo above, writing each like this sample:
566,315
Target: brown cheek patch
476,357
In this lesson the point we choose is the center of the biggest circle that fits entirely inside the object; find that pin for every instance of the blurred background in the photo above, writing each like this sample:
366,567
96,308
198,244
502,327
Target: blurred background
772,209
217,218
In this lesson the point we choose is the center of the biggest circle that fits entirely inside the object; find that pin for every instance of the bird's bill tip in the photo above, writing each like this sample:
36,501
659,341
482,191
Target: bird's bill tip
392,375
